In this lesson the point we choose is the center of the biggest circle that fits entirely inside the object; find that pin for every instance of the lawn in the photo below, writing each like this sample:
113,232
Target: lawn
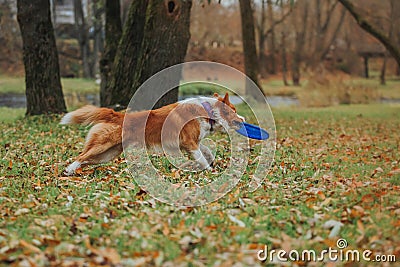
336,175
391,90
16,85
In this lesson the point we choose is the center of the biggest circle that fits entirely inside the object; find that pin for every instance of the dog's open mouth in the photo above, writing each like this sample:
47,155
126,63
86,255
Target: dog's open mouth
236,125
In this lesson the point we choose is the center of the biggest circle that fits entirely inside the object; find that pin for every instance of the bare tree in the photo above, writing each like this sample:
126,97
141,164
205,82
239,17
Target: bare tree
271,39
113,32
83,37
269,34
300,39
283,50
391,36
120,82
42,75
326,31
154,37
261,40
89,52
249,43
366,25
165,41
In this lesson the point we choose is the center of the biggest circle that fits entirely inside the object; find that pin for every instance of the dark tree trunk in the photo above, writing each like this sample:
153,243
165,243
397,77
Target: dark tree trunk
391,46
42,74
155,37
383,71
366,68
113,30
118,87
249,44
165,42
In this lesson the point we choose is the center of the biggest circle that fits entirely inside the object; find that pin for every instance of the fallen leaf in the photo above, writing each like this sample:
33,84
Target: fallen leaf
236,220
335,226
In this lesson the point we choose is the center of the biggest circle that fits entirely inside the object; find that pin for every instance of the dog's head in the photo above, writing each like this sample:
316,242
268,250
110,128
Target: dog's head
226,113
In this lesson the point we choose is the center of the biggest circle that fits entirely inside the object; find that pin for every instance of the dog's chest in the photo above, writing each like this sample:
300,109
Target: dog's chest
205,128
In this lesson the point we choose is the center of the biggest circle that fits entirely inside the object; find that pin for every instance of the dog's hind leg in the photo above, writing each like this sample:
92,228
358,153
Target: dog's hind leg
103,144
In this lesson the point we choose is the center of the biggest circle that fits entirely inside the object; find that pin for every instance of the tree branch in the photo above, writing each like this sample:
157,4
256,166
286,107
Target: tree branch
371,29
328,17
277,22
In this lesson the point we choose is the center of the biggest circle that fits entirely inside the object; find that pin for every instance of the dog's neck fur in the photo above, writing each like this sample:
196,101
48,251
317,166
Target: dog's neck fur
210,112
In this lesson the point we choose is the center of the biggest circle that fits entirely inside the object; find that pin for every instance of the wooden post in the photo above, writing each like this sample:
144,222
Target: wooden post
366,70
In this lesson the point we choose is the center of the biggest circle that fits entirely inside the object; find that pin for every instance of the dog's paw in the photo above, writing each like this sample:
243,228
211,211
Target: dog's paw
70,170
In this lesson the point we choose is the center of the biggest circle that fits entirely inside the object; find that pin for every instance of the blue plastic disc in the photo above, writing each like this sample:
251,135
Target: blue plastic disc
253,131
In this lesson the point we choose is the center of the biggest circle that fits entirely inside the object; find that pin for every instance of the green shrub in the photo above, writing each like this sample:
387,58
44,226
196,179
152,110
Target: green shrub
200,88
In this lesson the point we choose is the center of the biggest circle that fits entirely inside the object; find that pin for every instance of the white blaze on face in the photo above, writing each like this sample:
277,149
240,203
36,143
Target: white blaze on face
241,117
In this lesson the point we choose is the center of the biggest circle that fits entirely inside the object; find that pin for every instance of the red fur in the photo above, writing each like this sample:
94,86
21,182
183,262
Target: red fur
177,122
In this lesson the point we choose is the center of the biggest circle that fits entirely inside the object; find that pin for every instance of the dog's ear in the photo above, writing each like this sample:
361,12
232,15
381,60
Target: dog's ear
226,99
216,95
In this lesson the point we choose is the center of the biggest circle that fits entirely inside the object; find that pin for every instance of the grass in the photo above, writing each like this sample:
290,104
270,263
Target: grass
11,114
389,91
16,85
339,164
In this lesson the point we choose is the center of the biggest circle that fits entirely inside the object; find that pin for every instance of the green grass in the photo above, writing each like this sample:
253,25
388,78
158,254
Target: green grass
339,163
11,114
16,85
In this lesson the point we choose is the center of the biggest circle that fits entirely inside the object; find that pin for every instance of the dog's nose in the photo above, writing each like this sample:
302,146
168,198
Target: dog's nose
237,123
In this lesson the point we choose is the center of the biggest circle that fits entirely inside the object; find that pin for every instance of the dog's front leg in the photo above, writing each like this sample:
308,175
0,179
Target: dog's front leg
207,154
200,159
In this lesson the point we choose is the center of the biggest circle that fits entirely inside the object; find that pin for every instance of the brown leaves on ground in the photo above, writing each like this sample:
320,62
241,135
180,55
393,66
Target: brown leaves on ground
334,177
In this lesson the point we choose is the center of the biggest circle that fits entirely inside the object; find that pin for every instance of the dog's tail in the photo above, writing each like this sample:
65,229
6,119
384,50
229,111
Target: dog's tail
92,115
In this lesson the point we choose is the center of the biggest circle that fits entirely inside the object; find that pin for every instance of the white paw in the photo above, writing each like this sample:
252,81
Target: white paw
70,170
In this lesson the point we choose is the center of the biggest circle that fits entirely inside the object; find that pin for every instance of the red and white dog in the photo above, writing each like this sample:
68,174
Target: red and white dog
187,123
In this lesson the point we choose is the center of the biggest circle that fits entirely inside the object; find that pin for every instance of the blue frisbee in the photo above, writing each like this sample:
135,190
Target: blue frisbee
253,131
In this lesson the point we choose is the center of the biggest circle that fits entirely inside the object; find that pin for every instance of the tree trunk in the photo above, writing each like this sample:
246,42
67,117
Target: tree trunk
165,41
393,22
383,71
83,38
113,29
284,59
249,45
272,41
390,45
299,45
155,37
366,68
97,42
330,42
261,42
42,74
118,88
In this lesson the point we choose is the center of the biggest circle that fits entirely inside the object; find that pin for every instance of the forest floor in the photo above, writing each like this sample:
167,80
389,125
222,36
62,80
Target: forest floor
336,175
